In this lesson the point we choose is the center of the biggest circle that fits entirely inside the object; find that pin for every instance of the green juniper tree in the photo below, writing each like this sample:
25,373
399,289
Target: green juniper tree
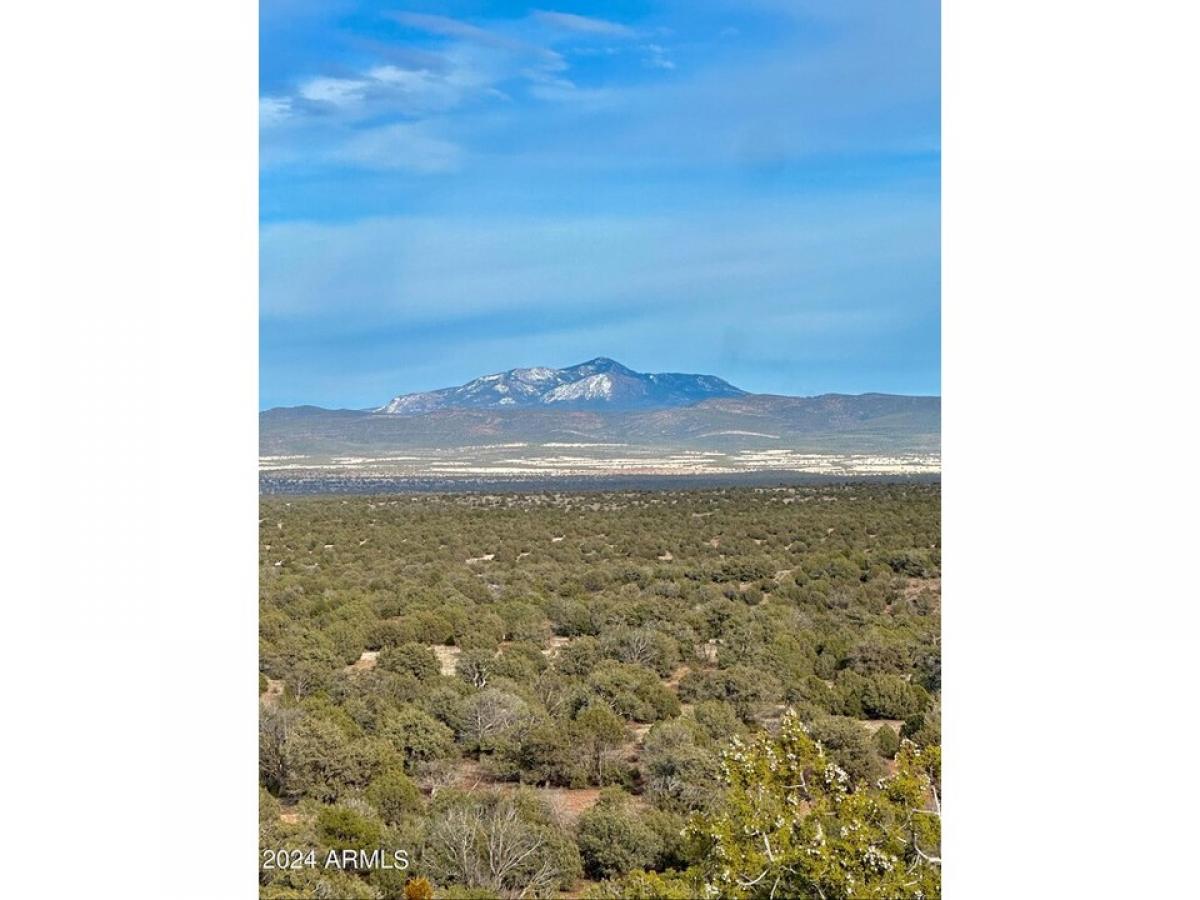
793,825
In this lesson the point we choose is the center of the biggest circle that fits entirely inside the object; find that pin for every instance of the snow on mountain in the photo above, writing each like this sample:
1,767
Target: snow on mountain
594,387
535,375
412,404
596,384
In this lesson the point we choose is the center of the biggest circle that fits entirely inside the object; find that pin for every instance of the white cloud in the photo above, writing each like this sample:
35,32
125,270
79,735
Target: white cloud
656,57
465,31
273,110
407,79
401,146
337,92
583,24
343,118
447,27
417,91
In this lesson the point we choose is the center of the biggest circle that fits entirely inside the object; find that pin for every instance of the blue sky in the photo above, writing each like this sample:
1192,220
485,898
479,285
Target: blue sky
746,188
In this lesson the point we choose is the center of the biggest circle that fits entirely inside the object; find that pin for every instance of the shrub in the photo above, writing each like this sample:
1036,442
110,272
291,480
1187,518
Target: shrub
633,692
389,633
874,655
484,632
544,754
431,627
886,742
846,742
612,842
580,656
416,735
890,697
718,719
642,646
743,687
341,828
418,889
596,734
476,667
645,886
673,850
679,766
522,622
303,754
347,640
411,659
925,729
520,662
394,796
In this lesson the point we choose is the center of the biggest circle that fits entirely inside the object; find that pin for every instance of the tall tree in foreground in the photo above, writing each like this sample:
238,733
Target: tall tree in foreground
793,825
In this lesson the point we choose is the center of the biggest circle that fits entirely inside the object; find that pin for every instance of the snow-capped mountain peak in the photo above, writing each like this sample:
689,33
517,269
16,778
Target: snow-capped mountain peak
599,383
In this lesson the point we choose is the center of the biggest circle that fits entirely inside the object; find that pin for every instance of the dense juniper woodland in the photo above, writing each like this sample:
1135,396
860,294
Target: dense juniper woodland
666,694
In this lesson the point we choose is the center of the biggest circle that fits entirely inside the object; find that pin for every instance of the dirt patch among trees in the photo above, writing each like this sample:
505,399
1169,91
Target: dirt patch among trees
568,804
273,692
364,663
447,657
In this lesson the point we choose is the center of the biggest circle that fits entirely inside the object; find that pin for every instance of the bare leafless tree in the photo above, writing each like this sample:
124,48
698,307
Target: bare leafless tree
489,845
490,713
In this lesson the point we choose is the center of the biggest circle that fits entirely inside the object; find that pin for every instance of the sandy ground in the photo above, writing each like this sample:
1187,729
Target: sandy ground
447,657
273,692
568,804
290,816
676,677
364,663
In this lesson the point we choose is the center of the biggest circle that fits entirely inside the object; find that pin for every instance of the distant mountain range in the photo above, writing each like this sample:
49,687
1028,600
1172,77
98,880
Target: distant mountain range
599,383
602,401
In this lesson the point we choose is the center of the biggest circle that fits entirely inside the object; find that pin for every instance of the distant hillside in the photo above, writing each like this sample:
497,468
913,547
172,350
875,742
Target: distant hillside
604,402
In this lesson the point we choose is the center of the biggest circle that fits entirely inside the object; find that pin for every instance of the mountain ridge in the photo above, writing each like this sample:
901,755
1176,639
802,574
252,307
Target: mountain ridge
599,383
601,402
